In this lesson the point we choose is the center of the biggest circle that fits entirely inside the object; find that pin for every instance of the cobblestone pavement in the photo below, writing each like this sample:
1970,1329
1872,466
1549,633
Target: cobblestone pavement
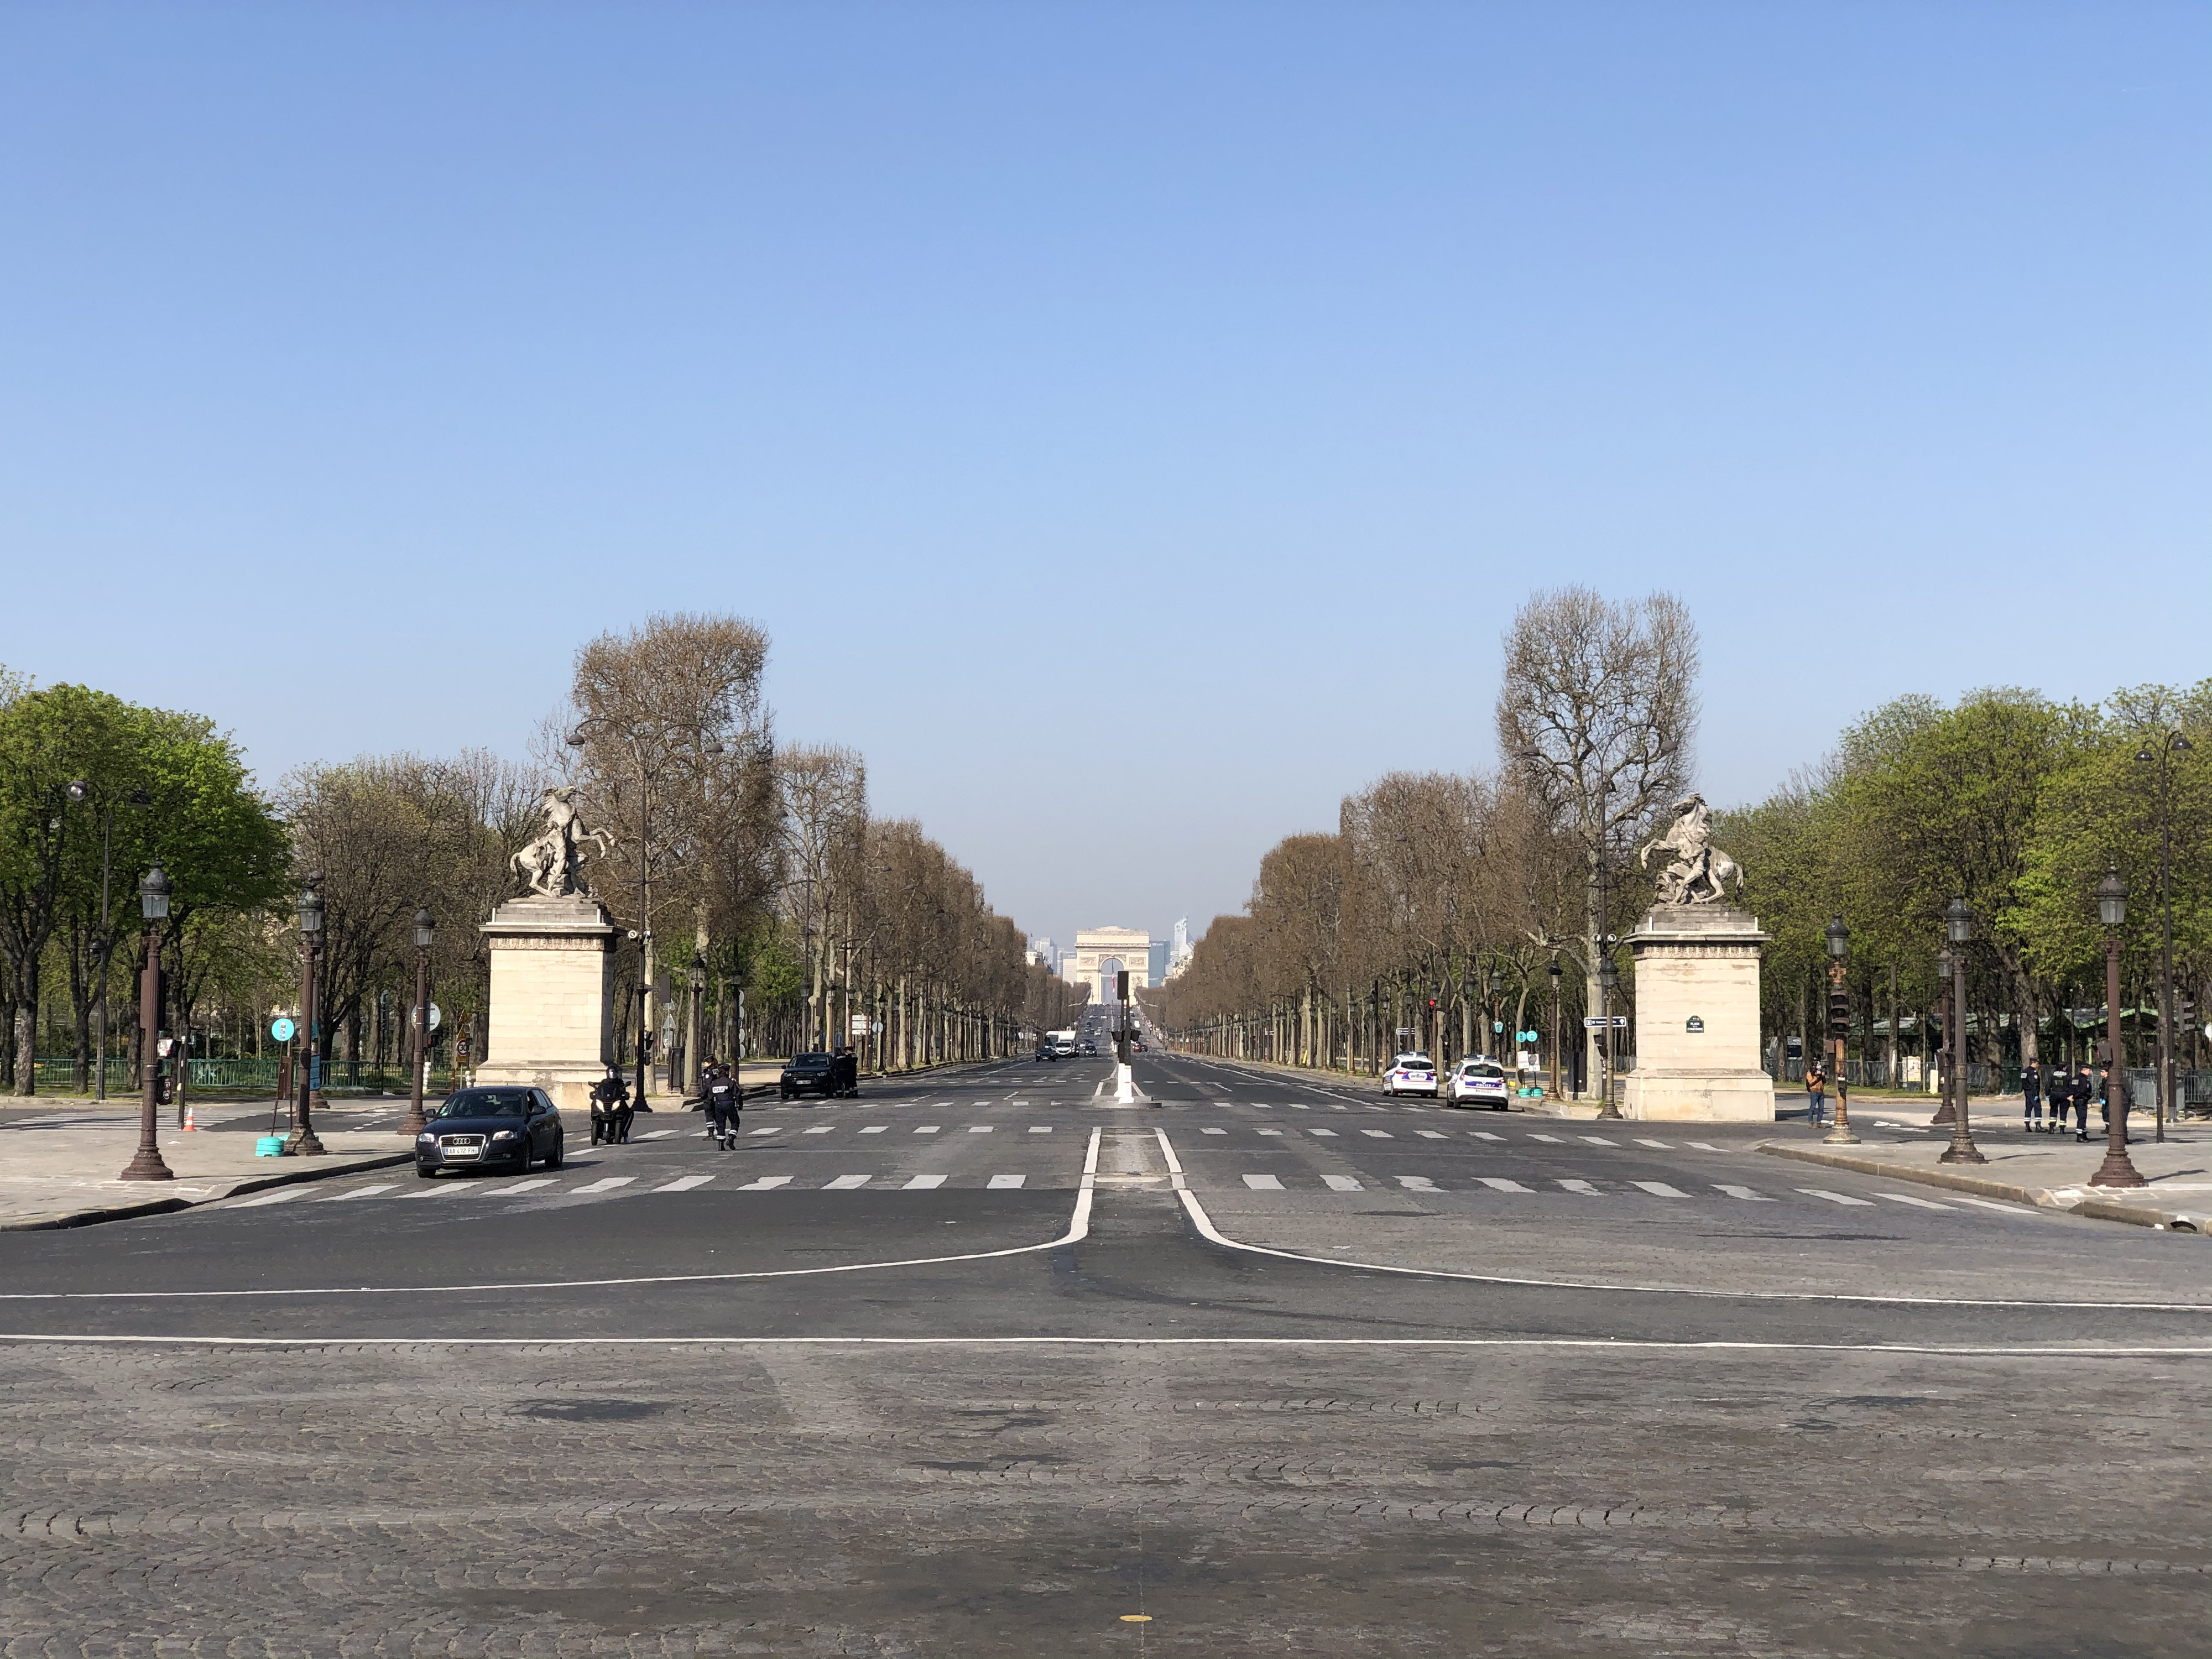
1143,1443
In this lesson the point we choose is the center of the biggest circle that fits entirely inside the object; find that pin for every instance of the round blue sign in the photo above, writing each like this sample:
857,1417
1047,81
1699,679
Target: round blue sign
282,1030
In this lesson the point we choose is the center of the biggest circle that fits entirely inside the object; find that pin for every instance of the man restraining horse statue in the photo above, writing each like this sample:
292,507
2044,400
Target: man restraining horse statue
1700,873
549,863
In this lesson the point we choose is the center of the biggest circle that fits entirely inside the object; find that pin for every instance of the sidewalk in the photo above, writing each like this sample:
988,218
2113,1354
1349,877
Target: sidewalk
59,1161
1896,1140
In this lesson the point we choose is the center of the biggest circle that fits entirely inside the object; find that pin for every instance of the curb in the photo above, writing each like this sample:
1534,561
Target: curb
2096,1209
167,1206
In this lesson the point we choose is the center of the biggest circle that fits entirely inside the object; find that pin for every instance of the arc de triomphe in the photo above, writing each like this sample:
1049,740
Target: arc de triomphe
1102,952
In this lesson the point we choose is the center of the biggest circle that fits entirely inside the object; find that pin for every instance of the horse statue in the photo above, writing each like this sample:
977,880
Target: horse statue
548,866
1700,873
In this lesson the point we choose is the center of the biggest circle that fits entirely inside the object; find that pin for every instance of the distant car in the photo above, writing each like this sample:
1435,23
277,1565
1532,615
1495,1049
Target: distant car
1046,1051
1480,1083
808,1074
1411,1074
1089,1051
483,1128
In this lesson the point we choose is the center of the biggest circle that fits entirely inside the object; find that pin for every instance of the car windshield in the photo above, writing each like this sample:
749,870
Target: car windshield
488,1102
1482,1071
809,1059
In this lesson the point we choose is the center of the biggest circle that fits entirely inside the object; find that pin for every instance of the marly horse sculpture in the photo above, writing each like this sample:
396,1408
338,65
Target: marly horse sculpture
549,863
1700,873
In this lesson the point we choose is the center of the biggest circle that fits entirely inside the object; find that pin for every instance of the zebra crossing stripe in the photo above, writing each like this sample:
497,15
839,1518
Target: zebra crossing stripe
1660,1190
1263,1183
924,1183
845,1183
1836,1198
818,1129
981,1128
1213,1132
358,1191
1907,1198
1331,1133
1378,1134
765,1184
1661,1145
1005,1180
1485,1134
261,1200
684,1184
1417,1183
763,1131
1342,1184
1599,1140
874,1129
930,1129
1706,1147
1549,1141
510,1190
1271,1132
1581,1186
1744,1193
1499,1183
606,1185
1431,1134
1040,1128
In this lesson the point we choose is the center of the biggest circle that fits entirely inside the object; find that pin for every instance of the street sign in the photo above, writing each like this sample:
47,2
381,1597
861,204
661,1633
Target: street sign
1599,1022
166,1047
877,1029
436,1015
858,1024
282,1030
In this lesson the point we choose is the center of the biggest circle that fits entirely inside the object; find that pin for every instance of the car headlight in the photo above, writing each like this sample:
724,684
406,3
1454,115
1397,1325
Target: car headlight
506,1134
426,1138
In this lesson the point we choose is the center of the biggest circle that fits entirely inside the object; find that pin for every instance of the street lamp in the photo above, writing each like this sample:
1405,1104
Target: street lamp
2173,742
154,907
1958,927
425,930
1839,946
1553,971
1608,978
2117,1170
303,1143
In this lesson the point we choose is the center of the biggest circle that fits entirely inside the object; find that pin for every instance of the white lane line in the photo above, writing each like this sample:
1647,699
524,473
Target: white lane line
278,1195
656,1135
684,1184
765,1184
1263,1183
1836,1198
358,1191
1378,1134
1341,1183
606,1184
980,1102
1019,1103
930,1129
1040,1128
923,1184
1418,1184
1661,1145
874,1129
1000,1181
1660,1190
1213,1132
981,1128
1748,1195
1918,1203
1599,1140
1549,1141
1331,1133
1485,1134
1499,1183
844,1183
1581,1186
1707,1146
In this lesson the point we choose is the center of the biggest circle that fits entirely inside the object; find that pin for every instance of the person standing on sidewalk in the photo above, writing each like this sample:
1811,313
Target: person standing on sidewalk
1816,1095
2031,1090
2079,1088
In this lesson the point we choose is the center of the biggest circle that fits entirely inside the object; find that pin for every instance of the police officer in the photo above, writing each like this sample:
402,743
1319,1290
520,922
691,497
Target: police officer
2079,1088
722,1099
2031,1088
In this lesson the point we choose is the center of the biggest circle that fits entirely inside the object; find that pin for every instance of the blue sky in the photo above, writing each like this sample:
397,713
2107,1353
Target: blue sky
1134,424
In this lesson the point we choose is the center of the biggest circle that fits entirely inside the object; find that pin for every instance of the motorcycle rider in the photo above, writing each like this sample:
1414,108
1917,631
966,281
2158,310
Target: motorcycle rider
611,1114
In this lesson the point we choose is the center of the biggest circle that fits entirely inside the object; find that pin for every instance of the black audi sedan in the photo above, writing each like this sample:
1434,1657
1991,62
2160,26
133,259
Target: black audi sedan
808,1074
485,1128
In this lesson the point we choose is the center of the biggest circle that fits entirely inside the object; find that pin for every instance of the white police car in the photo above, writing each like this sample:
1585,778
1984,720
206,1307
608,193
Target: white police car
1411,1073
1479,1082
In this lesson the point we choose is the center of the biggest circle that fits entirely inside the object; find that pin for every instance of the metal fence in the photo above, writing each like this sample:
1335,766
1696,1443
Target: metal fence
57,1074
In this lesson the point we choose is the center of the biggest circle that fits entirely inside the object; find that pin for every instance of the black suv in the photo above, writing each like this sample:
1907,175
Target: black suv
828,1075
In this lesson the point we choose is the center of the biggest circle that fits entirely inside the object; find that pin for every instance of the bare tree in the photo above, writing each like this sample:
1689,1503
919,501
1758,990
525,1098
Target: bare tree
1595,714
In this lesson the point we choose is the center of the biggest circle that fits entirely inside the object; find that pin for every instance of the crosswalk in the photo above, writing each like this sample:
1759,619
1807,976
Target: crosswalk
1269,1182
452,1189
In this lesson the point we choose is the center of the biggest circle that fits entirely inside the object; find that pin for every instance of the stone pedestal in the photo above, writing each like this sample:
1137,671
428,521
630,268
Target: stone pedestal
552,998
1697,1016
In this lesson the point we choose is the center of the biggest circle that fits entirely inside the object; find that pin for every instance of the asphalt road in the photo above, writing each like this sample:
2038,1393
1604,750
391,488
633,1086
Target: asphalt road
984,1363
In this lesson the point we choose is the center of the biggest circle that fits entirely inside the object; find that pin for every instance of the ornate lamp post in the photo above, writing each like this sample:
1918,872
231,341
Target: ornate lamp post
1553,971
425,930
2117,1170
1958,925
154,906
2173,742
303,1143
1608,977
1839,945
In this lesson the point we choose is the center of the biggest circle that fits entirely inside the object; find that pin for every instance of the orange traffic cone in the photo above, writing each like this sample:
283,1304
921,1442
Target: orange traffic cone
188,1124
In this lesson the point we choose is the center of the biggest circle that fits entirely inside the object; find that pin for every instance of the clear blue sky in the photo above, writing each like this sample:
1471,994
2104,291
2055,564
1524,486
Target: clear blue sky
1216,375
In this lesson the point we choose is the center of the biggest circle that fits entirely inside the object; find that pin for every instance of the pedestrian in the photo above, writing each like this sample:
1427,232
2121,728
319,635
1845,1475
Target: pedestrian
723,1101
2031,1088
2079,1088
1816,1095
611,1108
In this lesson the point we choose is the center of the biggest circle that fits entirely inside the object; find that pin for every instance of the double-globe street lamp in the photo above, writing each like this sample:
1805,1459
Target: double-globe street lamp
2117,1170
154,907
2172,744
1608,978
1839,946
303,1143
1958,927
426,931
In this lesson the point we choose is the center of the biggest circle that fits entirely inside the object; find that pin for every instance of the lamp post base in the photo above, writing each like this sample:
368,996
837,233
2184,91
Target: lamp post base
1841,1135
148,1166
1966,1152
2117,1170
304,1145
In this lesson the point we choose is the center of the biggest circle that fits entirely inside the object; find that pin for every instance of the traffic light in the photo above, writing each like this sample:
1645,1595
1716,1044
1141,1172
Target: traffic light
1432,1004
1840,1012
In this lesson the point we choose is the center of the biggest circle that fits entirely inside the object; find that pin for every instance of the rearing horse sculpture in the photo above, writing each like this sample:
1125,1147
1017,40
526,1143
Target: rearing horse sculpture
549,865
1700,873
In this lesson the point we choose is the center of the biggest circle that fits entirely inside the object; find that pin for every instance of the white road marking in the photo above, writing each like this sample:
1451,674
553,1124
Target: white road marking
1331,1133
1431,1134
929,1129
1418,1183
1907,1198
1707,1146
874,1129
924,1183
1660,1190
1342,1184
358,1191
1581,1186
981,1128
1301,1108
1992,1204
1499,1183
1661,1145
1020,1102
777,1130
1379,1134
1552,1140
605,1184
515,1186
1271,1132
820,1129
1836,1198
685,1184
1040,1128
1263,1183
1006,1180
278,1195
1485,1134
1599,1140
844,1183
764,1183
1333,1108
1213,1132
1744,1193
656,1135
445,1188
